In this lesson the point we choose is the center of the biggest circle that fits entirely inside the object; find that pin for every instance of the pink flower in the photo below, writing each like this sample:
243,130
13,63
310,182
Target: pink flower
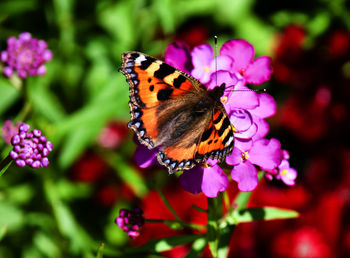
264,153
204,63
242,52
9,130
209,180
26,55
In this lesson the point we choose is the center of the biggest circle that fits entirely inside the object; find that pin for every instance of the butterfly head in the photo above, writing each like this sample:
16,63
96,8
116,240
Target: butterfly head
218,92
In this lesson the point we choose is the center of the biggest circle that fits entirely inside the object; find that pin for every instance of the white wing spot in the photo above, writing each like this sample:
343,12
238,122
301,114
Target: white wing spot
139,59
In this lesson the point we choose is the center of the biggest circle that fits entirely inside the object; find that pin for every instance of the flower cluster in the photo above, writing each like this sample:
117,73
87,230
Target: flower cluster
246,109
130,221
30,148
26,55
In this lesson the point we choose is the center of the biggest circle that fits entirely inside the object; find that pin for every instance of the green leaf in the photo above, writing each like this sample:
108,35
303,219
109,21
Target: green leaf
197,248
8,93
165,244
46,244
265,213
11,216
127,173
13,7
3,231
44,101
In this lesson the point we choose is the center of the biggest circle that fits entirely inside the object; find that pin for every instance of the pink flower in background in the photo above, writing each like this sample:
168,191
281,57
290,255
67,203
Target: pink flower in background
26,55
9,130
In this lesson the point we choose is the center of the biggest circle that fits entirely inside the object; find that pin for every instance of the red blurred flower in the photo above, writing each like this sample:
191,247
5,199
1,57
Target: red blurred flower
339,43
108,195
305,242
89,168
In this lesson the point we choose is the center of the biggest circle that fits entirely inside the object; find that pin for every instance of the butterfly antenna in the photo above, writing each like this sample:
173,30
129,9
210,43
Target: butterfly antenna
216,61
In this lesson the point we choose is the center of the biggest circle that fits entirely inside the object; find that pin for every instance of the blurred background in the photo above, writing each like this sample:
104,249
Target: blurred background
68,209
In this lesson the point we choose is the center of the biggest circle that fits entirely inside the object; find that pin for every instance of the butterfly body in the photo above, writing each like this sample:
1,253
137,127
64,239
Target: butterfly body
174,112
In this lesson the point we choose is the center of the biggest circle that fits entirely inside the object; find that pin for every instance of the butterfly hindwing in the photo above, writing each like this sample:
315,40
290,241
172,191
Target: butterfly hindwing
217,140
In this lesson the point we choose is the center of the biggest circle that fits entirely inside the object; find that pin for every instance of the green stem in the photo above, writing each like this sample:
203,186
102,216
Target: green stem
168,205
185,224
214,213
5,164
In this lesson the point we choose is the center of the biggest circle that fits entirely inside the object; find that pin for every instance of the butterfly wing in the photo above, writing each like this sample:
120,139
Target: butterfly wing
217,140
154,84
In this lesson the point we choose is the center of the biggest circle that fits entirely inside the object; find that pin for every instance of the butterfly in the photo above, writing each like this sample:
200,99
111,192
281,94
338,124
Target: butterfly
174,112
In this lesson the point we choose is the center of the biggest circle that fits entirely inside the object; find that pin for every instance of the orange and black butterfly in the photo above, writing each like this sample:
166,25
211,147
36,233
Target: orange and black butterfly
174,112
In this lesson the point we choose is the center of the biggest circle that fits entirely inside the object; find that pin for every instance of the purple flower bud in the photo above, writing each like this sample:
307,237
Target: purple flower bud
24,127
15,139
42,138
45,152
45,162
20,162
130,221
36,164
13,154
49,146
17,148
29,161
40,147
29,135
37,132
22,135
36,140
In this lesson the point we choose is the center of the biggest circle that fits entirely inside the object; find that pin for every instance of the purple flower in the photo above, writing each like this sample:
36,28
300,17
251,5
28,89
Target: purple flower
242,52
210,180
30,148
178,55
145,157
9,130
26,55
247,111
130,221
284,172
264,153
204,63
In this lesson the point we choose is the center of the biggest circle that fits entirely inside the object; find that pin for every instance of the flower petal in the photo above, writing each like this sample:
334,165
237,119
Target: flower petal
202,56
241,51
263,128
145,157
243,97
178,55
267,106
246,176
191,180
235,157
259,70
266,153
241,119
222,77
214,181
